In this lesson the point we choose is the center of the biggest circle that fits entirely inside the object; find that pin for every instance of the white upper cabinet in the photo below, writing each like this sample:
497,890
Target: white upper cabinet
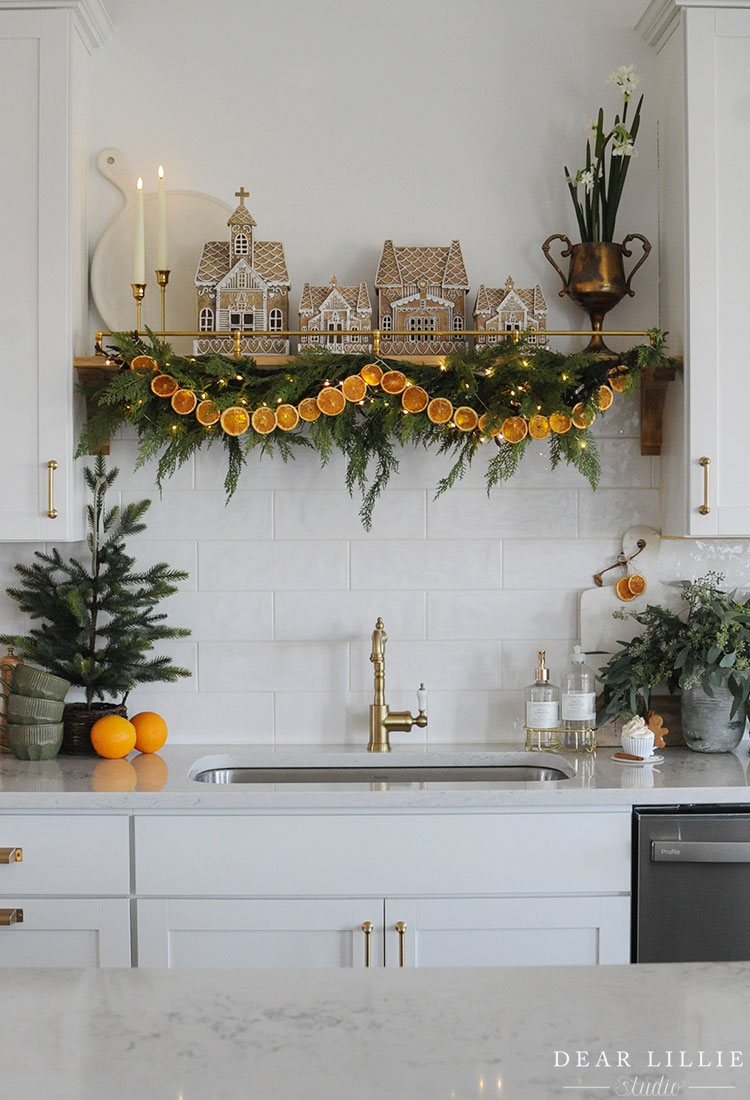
43,47
704,166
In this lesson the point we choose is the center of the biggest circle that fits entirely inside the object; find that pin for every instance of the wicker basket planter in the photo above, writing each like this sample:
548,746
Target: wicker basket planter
78,718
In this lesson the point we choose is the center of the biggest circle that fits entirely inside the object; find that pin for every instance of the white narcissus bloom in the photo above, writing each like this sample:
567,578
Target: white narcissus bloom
622,142
592,127
586,177
626,78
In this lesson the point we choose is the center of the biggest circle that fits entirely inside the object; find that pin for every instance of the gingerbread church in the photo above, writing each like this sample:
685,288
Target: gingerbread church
421,292
242,284
341,312
501,311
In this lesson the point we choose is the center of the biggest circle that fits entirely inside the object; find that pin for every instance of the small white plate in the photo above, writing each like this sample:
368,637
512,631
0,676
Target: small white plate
639,763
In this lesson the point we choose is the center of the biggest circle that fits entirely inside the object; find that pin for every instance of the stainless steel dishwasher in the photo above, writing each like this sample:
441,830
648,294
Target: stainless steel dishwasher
691,884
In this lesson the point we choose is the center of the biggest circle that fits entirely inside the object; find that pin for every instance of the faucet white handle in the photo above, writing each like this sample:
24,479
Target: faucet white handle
421,699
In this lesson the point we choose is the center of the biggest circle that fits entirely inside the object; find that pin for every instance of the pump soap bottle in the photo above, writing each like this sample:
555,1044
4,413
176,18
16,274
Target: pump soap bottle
542,709
578,703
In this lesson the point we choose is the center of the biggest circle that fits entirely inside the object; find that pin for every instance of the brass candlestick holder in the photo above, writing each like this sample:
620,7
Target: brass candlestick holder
162,278
139,290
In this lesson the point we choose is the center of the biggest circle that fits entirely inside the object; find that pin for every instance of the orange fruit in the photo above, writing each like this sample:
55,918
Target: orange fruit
622,590
184,401
150,731
308,409
143,362
235,420
207,413
354,388
604,398
113,736
164,385
331,401
619,378
484,422
637,584
465,419
114,775
538,426
287,417
150,770
560,423
263,420
371,373
440,410
414,399
515,429
393,381
581,416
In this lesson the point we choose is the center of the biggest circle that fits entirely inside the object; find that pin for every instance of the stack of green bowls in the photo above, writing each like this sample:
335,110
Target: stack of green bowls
34,713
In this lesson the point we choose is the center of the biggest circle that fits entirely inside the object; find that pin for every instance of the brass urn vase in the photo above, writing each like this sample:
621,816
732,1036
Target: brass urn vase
596,278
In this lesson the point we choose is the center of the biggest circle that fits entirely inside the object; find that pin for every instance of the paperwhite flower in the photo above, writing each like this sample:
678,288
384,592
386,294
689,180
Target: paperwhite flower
626,78
592,127
586,177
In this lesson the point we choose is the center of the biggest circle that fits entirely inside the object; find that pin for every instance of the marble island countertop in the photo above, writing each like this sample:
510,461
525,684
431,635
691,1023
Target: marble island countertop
532,1033
163,781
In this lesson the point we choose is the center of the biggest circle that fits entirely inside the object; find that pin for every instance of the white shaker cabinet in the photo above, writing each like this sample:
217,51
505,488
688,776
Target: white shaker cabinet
42,276
704,166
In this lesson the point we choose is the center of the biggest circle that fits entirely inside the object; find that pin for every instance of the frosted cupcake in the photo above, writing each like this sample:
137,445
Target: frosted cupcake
637,738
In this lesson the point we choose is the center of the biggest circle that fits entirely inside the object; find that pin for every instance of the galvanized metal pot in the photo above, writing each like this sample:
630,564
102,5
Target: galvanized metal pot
706,725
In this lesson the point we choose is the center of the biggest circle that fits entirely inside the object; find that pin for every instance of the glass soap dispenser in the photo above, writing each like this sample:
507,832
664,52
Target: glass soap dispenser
542,709
578,708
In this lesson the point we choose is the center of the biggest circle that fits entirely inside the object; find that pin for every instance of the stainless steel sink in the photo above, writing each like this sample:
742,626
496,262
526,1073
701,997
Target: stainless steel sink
378,774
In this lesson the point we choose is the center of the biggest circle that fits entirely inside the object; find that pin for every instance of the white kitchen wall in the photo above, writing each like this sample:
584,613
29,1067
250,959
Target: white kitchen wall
349,123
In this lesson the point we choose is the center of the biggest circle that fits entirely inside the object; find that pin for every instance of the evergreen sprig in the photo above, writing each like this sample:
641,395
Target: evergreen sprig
97,617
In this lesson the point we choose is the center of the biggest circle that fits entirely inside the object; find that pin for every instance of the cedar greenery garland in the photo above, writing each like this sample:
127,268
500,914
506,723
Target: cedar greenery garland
502,380
97,618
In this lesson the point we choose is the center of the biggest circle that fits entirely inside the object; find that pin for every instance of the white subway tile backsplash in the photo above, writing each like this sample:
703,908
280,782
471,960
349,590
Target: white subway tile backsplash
207,515
268,566
519,659
505,513
497,615
177,555
622,418
267,472
327,514
347,616
687,559
273,666
223,616
484,717
339,718
569,563
426,564
204,717
612,511
443,665
142,479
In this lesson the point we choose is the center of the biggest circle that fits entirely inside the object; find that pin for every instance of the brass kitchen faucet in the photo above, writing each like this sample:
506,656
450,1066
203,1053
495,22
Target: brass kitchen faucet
382,720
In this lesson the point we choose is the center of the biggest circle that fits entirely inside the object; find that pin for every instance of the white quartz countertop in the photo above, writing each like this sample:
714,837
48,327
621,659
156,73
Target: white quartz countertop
163,781
422,1034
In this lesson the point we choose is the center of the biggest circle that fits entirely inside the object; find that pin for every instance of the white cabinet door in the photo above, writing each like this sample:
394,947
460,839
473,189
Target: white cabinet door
520,931
80,932
36,339
259,932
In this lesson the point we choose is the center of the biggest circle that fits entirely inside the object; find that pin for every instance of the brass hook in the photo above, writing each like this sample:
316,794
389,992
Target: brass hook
622,562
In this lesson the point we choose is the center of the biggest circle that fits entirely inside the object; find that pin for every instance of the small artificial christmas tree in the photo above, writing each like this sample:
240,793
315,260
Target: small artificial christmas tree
97,618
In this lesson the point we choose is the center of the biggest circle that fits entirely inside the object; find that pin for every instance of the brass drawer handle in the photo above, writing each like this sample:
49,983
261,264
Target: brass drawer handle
10,916
401,929
11,855
51,510
705,507
367,927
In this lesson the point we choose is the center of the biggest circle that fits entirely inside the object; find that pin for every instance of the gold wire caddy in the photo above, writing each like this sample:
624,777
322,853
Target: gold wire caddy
558,739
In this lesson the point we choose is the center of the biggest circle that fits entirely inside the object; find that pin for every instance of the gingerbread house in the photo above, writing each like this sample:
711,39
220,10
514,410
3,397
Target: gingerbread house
501,311
421,293
242,285
341,312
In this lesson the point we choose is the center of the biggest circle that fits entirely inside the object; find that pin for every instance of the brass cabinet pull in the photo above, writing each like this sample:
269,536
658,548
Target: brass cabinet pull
367,928
11,855
705,507
401,929
51,467
10,916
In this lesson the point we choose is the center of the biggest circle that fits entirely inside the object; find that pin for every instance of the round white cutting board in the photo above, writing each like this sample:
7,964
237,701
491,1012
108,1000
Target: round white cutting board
192,219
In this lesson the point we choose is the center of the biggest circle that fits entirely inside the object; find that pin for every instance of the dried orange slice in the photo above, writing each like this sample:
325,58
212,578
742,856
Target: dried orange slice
515,429
622,590
538,426
393,381
560,423
263,420
184,401
235,420
440,410
414,399
354,388
465,419
164,385
287,417
605,397
581,416
636,584
331,401
371,373
207,413
484,425
143,362
619,378
308,409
